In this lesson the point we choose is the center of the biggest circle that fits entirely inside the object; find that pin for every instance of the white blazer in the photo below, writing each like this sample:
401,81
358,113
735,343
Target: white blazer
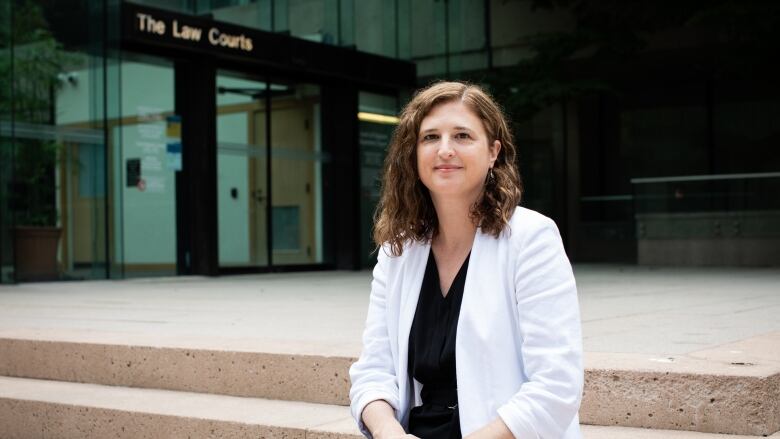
518,350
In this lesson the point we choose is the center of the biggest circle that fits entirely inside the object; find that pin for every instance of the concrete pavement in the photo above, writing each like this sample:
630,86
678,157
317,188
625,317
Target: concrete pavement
625,309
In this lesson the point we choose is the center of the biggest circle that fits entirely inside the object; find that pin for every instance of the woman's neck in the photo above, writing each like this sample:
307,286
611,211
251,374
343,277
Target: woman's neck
456,228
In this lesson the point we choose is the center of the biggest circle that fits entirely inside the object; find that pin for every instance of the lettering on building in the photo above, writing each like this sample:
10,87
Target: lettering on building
186,32
146,23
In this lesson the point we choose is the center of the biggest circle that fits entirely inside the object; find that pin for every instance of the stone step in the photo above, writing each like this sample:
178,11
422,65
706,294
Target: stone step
260,368
55,409
732,389
40,408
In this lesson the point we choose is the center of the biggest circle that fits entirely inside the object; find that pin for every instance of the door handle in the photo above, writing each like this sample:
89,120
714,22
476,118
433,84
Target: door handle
257,194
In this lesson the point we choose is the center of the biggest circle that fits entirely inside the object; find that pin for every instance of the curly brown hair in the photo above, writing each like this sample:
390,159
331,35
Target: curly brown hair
405,210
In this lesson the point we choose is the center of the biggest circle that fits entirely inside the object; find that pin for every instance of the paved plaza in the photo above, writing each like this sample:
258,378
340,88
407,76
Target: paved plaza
625,309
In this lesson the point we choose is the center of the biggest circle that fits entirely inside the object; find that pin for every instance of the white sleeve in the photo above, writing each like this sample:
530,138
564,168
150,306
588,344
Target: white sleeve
373,375
551,337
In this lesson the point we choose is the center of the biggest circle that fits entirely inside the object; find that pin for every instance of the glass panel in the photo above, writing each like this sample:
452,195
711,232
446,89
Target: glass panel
466,36
536,142
52,189
745,126
313,20
347,23
428,28
665,140
6,146
296,171
287,228
375,26
255,14
242,169
444,38
144,170
377,120
171,5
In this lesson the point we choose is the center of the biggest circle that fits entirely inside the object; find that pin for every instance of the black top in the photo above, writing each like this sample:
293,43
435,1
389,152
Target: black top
432,355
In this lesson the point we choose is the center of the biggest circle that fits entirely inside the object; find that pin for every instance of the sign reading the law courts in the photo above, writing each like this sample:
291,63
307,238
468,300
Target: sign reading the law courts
166,27
199,39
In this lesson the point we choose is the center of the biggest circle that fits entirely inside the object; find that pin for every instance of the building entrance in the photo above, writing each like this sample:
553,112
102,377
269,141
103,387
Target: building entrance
270,149
184,143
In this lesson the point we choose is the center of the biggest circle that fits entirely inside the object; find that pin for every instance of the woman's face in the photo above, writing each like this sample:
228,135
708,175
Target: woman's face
454,153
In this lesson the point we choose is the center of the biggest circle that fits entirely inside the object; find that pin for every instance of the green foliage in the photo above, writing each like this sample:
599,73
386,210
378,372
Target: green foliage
30,83
34,189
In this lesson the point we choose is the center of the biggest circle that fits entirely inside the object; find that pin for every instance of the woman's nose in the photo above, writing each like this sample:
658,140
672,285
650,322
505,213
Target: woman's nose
445,148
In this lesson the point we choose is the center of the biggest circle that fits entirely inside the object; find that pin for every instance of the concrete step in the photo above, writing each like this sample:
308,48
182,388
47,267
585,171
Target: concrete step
260,368
732,389
53,409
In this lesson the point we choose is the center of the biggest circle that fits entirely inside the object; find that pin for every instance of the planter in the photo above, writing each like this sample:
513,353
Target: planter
35,253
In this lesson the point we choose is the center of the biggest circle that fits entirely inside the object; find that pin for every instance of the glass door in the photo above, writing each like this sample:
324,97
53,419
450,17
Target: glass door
270,163
296,170
242,171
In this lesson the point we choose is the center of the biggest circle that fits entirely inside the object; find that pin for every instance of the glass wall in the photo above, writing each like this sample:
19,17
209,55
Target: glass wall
6,144
145,154
53,103
82,129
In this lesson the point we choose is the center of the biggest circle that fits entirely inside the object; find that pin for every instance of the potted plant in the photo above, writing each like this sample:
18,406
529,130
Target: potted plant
32,191
36,235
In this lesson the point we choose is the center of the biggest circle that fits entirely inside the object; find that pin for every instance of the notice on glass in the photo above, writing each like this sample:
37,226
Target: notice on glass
133,172
150,141
173,142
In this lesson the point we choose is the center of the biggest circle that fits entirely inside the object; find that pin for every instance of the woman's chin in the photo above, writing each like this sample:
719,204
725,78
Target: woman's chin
451,191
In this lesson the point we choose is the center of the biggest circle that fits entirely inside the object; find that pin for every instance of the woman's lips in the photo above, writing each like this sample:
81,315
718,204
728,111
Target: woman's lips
446,168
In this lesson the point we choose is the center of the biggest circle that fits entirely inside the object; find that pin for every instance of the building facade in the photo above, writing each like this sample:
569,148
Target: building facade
233,136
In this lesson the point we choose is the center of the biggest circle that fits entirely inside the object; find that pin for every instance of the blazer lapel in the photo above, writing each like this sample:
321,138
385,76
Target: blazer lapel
472,273
410,293
416,257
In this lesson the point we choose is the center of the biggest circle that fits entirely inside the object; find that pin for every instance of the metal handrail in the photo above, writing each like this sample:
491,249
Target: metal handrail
705,177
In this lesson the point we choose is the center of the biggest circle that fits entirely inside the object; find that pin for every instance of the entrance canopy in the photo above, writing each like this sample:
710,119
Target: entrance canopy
171,34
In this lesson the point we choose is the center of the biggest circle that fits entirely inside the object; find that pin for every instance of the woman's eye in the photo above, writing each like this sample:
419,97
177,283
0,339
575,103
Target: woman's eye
463,136
428,137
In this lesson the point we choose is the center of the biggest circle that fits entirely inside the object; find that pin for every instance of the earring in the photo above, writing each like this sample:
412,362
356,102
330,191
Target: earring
490,178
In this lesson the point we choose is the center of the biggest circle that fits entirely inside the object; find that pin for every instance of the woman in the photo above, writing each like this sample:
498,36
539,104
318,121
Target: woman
473,325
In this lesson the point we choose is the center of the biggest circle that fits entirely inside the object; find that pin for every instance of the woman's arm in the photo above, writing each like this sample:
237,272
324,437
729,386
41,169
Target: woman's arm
373,376
379,418
551,337
495,430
